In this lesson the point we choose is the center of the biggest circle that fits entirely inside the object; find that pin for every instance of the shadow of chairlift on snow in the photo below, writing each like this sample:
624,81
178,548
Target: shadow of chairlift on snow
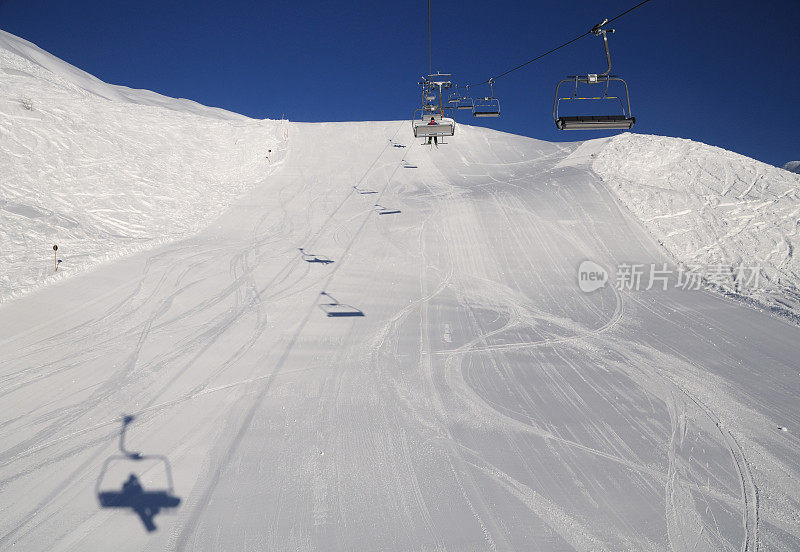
336,309
381,210
407,165
364,192
395,145
132,493
312,258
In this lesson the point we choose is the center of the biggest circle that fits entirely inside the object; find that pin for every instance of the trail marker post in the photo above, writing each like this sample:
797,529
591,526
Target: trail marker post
55,257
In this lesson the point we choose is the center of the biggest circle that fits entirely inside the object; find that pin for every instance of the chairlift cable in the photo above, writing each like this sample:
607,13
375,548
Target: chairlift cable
627,11
429,37
590,31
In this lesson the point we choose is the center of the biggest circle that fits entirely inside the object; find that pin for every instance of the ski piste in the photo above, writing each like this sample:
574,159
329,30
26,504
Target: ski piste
444,383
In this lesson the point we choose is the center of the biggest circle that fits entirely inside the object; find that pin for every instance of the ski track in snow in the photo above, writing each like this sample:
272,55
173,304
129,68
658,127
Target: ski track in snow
710,207
103,179
482,401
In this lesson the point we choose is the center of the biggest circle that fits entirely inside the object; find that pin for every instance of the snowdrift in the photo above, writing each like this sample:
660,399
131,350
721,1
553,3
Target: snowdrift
103,170
732,218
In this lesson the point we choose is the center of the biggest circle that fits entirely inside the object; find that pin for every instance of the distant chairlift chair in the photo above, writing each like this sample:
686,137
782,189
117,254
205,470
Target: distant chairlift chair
465,102
487,107
623,121
432,88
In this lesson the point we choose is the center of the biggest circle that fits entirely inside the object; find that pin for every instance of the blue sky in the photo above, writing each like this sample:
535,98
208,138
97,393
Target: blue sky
724,73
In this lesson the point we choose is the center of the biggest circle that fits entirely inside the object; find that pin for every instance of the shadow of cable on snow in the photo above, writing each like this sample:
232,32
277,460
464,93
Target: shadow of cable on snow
139,482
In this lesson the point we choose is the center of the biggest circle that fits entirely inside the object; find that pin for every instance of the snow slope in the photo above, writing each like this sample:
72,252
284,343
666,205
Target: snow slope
793,166
103,171
23,58
481,401
718,211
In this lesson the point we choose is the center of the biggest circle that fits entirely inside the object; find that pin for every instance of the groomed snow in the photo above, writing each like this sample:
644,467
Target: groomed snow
465,396
713,209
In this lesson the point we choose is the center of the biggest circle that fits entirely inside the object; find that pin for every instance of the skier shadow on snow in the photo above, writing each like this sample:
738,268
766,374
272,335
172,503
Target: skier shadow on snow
337,309
146,503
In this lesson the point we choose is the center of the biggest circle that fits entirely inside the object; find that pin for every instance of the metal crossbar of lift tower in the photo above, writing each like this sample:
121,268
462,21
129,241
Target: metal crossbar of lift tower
439,78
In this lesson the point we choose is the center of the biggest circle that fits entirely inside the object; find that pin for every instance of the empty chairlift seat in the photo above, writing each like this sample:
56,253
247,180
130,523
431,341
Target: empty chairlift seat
457,101
606,82
619,121
588,122
486,107
465,103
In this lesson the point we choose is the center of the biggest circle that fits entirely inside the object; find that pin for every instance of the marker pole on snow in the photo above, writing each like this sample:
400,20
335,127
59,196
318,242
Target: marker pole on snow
55,257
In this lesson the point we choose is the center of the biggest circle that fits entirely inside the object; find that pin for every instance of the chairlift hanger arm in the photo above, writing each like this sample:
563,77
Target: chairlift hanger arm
605,43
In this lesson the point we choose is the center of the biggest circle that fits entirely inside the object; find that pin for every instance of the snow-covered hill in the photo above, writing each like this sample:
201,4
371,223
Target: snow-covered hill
24,59
103,171
793,166
371,344
730,218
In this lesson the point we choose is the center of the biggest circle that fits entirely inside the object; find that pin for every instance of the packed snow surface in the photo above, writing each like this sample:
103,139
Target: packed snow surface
370,344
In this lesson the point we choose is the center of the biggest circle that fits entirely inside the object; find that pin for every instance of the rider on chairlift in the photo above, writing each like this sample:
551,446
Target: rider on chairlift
435,139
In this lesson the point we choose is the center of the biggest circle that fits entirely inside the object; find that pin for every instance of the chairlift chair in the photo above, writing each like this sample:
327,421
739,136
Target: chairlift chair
453,97
458,101
445,126
465,102
487,107
421,118
623,121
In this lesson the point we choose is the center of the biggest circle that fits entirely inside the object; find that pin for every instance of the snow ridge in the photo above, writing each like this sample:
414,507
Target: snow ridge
713,209
21,58
104,171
